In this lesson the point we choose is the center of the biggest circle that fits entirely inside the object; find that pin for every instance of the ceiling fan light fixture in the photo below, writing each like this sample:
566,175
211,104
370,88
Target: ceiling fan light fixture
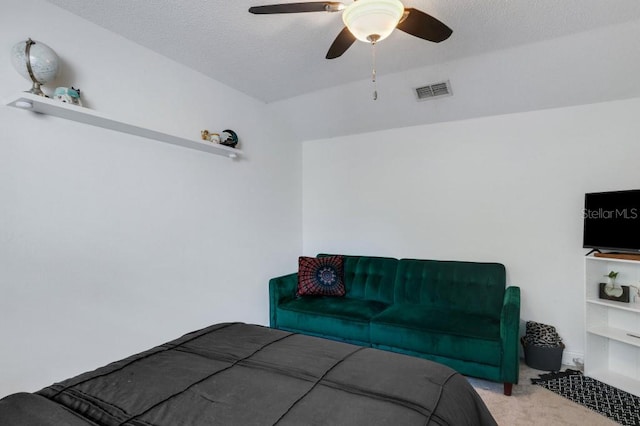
372,20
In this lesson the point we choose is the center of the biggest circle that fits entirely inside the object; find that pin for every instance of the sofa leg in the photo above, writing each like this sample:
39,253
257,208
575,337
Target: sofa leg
507,388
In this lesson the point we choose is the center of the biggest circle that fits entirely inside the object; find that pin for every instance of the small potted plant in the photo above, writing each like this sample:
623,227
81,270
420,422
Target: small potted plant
611,289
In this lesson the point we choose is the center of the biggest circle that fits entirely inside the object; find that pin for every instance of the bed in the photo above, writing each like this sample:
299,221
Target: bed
242,374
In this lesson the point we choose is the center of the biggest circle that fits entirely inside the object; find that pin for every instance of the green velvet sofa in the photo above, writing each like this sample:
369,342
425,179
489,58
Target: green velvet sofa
460,314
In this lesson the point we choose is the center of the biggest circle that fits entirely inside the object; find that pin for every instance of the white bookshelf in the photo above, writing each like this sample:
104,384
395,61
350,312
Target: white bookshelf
612,353
42,105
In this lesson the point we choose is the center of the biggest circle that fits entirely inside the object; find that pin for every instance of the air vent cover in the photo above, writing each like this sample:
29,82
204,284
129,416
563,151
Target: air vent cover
435,90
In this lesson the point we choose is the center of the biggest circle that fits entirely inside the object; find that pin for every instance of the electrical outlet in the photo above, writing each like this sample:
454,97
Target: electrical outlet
579,362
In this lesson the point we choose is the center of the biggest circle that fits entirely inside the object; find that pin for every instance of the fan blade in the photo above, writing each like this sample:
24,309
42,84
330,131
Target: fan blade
340,45
424,26
314,6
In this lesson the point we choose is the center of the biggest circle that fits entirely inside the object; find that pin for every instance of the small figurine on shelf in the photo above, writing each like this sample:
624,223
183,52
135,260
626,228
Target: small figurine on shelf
211,137
636,294
68,95
229,138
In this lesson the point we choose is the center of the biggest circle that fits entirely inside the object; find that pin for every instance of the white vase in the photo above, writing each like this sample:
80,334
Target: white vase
611,289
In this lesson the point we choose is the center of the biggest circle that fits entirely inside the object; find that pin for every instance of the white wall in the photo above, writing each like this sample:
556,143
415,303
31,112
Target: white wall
110,243
508,188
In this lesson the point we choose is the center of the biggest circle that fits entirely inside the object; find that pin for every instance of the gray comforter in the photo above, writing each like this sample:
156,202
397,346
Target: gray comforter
239,374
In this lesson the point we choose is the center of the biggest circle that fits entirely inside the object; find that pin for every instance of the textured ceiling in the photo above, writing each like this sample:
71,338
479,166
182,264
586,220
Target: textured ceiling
275,57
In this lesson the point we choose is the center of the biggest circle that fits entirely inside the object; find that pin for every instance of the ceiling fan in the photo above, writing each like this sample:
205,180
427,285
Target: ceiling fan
367,20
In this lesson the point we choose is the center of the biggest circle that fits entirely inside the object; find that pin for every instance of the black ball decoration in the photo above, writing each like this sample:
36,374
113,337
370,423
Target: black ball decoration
231,138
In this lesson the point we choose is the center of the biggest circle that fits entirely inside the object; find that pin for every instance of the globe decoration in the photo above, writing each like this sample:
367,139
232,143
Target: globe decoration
36,62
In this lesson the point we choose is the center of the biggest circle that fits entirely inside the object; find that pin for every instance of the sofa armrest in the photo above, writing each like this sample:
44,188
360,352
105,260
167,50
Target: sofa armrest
280,289
509,334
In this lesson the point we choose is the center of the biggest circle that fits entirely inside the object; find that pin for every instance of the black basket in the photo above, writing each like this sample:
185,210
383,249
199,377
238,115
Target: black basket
546,358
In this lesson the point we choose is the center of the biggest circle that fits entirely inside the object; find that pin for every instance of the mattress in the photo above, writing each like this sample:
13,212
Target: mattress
242,374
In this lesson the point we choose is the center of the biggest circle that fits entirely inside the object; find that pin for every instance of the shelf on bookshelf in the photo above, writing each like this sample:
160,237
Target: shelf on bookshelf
624,336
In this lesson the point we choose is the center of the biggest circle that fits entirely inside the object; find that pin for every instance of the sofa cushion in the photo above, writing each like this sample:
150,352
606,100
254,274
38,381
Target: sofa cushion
441,332
320,276
476,288
369,277
333,317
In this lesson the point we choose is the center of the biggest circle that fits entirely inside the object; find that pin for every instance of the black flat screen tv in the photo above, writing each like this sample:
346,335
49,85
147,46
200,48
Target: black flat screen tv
612,221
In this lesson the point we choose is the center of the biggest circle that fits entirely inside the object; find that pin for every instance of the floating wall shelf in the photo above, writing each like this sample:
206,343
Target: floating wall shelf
40,104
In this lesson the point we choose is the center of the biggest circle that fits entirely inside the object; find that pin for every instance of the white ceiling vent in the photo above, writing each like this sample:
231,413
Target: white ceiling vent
435,90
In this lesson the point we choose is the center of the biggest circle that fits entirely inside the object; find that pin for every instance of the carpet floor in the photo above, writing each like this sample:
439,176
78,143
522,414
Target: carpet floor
532,405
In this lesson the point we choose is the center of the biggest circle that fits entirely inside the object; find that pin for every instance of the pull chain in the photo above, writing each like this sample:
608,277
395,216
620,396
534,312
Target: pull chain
373,39
373,72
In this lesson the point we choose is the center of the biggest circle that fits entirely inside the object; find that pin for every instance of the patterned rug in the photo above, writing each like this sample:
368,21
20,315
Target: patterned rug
611,402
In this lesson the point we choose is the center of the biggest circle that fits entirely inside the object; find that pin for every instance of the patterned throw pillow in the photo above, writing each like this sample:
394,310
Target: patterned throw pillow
322,276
